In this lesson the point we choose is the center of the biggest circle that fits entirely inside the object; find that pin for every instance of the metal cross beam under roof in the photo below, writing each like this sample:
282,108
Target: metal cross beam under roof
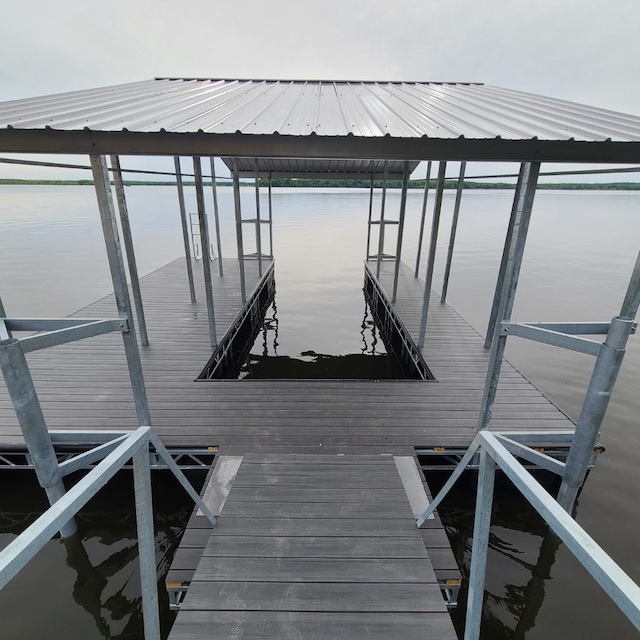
318,119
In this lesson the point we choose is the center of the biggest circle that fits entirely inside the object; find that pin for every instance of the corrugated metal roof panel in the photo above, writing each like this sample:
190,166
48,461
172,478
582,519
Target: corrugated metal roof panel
303,108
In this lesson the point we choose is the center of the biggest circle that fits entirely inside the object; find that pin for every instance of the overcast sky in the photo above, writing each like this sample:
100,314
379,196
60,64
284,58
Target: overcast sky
582,50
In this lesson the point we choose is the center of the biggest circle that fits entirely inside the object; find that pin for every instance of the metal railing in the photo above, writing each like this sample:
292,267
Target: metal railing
499,449
114,455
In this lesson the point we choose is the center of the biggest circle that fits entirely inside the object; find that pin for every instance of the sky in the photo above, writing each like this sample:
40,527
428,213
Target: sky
581,50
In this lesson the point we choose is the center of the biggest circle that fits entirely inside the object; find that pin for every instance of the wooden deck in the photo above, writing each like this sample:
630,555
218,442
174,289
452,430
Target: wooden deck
85,385
315,547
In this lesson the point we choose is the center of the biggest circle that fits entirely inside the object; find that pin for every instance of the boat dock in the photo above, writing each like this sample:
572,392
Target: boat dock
318,524
322,454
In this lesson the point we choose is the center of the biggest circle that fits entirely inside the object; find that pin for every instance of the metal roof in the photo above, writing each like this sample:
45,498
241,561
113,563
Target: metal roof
316,119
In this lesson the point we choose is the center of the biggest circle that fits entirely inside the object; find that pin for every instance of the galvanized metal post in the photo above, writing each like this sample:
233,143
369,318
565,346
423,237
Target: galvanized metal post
422,217
128,244
146,543
270,221
452,237
206,255
238,211
431,259
24,398
503,263
603,379
216,214
381,229
403,209
524,206
369,222
119,279
258,221
4,332
185,228
480,545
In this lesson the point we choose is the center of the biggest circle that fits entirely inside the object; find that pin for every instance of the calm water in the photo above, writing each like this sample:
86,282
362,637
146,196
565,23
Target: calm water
581,249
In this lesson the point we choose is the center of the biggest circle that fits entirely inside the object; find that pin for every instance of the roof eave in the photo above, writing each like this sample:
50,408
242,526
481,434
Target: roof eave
314,146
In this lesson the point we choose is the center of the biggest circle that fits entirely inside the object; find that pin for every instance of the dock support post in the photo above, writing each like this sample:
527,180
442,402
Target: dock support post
452,237
270,220
258,221
128,245
403,209
603,379
216,214
422,217
119,279
238,210
185,228
5,334
480,544
146,543
369,222
22,392
206,254
524,206
503,264
381,230
431,259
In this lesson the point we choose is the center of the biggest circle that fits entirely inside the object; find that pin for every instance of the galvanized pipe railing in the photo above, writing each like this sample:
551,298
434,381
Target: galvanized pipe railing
498,450
136,446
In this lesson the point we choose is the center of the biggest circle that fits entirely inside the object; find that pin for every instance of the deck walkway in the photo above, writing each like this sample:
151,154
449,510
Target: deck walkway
85,385
315,547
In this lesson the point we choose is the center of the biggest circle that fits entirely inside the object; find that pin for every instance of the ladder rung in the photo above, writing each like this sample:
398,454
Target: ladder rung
385,221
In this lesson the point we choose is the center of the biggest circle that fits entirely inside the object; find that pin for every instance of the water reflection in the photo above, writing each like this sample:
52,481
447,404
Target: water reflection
522,554
372,362
101,559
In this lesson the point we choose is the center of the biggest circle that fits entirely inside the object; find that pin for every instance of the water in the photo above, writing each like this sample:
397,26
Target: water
582,246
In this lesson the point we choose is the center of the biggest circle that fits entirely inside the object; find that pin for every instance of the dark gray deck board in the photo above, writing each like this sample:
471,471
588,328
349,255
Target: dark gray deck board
268,625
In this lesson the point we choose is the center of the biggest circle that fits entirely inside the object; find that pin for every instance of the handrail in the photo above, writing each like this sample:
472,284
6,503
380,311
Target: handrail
135,446
494,449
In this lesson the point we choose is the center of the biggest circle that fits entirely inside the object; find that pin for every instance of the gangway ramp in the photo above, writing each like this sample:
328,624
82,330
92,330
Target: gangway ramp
315,546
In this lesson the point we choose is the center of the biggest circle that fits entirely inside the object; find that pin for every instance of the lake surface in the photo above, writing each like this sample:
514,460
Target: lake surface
581,249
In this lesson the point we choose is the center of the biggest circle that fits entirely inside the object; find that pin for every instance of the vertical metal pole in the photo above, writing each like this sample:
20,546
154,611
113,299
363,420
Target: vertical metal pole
525,205
503,263
206,255
17,376
422,217
119,279
452,237
480,545
270,221
128,244
369,223
258,221
603,379
4,332
238,210
381,229
216,214
403,209
431,259
185,228
146,543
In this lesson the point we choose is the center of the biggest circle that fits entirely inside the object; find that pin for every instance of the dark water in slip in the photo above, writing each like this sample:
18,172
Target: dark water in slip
580,252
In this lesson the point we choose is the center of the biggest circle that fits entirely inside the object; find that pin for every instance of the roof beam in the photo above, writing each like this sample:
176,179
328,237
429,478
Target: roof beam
314,146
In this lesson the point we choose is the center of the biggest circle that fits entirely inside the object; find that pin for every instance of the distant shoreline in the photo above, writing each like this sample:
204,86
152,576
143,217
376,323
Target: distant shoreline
353,184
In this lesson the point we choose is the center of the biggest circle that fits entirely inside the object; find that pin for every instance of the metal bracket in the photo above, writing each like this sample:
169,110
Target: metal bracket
538,333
